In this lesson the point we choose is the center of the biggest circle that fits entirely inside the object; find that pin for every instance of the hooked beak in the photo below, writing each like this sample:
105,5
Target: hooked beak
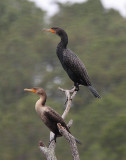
49,30
30,90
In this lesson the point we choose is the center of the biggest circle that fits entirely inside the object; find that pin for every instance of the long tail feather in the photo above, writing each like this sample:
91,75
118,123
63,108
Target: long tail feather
77,141
94,92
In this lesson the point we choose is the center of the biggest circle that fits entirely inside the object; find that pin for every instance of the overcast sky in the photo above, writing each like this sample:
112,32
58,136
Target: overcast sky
52,8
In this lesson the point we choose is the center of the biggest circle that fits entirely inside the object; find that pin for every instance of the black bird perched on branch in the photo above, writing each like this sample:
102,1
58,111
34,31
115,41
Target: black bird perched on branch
48,115
71,63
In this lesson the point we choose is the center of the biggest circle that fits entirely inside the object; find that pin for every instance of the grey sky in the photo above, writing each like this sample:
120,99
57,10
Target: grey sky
52,8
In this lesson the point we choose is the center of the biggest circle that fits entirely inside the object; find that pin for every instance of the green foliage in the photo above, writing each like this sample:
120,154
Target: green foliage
114,138
28,59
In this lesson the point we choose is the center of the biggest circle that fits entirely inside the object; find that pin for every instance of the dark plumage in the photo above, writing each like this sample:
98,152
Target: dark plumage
48,115
71,63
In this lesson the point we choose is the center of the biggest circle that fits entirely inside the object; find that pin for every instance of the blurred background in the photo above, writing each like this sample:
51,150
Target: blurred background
28,59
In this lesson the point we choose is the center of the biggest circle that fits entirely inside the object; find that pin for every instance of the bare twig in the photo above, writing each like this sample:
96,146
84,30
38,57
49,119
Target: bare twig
70,123
70,94
71,140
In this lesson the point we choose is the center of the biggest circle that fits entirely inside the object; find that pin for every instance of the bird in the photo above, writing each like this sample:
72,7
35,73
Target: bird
73,66
48,115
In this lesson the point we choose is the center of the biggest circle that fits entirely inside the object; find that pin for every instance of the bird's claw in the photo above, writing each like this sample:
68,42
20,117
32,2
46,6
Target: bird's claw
53,139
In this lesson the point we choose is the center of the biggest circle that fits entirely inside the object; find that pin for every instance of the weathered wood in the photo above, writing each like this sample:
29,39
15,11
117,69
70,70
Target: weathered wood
71,140
70,94
49,151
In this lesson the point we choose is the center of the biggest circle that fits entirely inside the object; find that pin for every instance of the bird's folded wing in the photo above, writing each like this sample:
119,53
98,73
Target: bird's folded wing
72,62
54,117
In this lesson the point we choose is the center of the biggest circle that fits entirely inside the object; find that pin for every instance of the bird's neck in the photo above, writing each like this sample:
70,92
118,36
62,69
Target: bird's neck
40,105
42,100
64,41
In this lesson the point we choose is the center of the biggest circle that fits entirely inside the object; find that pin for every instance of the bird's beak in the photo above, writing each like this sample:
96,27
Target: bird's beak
30,90
49,30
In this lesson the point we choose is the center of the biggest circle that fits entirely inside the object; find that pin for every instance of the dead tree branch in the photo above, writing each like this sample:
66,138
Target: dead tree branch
70,94
49,151
70,123
71,141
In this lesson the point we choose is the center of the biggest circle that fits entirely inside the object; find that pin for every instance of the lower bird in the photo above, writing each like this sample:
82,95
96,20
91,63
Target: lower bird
71,63
48,115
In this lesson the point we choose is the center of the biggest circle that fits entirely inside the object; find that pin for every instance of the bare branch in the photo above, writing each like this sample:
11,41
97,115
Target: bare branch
69,98
70,94
70,123
49,151
71,141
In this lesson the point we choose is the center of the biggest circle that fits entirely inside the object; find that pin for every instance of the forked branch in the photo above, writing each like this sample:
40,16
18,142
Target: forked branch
70,94
49,151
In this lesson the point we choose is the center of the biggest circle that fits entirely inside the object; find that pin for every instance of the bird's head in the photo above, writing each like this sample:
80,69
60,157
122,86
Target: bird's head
56,30
38,91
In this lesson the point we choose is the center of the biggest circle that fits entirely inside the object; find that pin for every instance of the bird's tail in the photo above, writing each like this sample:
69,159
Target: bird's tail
77,141
94,92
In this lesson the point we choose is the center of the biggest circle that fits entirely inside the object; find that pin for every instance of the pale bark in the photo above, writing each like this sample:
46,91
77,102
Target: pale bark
49,151
71,140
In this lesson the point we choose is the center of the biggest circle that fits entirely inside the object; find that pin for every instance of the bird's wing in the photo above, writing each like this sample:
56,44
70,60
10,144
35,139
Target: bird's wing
75,65
55,118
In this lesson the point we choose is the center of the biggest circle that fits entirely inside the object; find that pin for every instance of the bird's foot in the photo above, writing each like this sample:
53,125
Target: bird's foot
73,89
76,87
49,142
53,139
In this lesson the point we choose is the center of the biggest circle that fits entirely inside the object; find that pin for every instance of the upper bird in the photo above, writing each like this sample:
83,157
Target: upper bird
71,63
48,115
